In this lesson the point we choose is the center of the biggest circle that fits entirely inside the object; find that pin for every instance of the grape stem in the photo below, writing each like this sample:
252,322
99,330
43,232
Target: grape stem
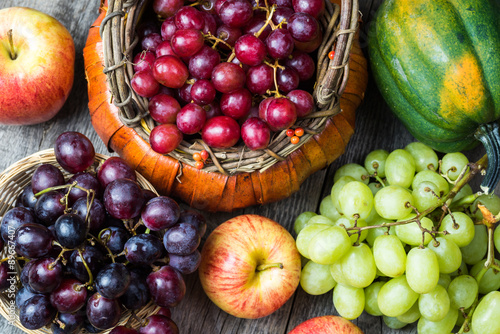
269,18
111,255
465,326
89,272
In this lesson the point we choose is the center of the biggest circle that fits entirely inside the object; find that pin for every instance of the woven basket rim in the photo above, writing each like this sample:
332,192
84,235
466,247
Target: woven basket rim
15,177
117,32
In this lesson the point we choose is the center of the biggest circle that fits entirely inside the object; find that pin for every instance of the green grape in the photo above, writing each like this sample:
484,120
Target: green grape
434,177
391,202
393,322
301,221
348,301
486,316
374,187
422,270
448,254
400,168
320,219
424,195
305,235
466,190
491,279
358,266
438,327
476,249
355,199
327,209
396,297
491,202
410,316
316,279
373,216
337,274
444,280
371,302
463,291
390,255
337,187
463,270
460,228
347,223
496,238
411,233
358,172
375,162
424,156
329,246
373,233
434,306
452,164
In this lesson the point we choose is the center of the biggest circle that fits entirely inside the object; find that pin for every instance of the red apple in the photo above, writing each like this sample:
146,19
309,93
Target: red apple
250,266
37,59
327,324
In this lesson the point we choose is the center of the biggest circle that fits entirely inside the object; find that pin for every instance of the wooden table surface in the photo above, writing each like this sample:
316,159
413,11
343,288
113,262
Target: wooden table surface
376,128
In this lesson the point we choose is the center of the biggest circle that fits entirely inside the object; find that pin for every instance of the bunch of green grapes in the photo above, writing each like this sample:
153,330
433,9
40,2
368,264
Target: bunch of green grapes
404,237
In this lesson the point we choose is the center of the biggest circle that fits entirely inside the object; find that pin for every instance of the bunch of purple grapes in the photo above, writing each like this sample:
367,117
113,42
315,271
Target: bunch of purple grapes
227,69
96,244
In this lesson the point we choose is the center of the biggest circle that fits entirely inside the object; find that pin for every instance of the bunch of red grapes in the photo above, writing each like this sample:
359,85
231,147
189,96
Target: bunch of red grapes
226,69
96,244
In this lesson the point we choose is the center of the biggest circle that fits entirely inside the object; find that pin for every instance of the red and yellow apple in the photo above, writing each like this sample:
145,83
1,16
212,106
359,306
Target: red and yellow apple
327,324
250,266
37,59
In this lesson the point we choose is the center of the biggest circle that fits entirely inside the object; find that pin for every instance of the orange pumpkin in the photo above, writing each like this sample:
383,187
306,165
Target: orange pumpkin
213,191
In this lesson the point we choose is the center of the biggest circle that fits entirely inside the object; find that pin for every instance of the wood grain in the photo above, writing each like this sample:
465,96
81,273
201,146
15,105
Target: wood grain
376,128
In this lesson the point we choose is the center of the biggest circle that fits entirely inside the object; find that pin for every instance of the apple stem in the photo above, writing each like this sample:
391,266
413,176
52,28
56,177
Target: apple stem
266,266
13,54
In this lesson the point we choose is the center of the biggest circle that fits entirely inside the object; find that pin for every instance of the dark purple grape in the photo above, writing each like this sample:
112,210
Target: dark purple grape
24,276
115,168
70,296
281,3
236,13
155,324
26,198
260,79
123,330
89,327
194,218
103,313
303,27
182,239
302,63
166,8
92,256
46,176
13,219
45,275
185,264
210,26
114,238
160,213
189,17
123,199
148,195
165,311
229,35
71,230
212,109
147,27
279,43
184,94
288,79
167,287
50,206
282,13
84,180
97,214
311,7
5,276
203,62
74,152
151,42
137,294
143,249
72,323
24,294
112,280
33,240
36,312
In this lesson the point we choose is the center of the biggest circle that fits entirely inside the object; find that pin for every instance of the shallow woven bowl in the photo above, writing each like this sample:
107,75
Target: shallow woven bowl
12,182
237,177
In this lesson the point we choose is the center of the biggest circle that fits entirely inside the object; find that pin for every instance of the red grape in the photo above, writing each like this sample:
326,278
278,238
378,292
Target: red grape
303,27
250,50
281,114
151,41
160,213
228,34
279,43
210,25
74,151
168,28
163,108
228,77
221,132
212,109
166,8
288,79
202,63
165,138
167,287
302,63
260,79
189,17
187,42
236,13
263,105
255,133
203,92
236,104
312,7
191,119
123,199
170,71
69,297
255,24
282,13
156,324
115,168
46,176
304,102
103,313
164,49
145,84
144,61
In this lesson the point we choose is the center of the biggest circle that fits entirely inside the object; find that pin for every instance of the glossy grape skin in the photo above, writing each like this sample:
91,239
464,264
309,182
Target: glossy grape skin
250,50
302,63
236,13
460,227
143,249
137,293
279,44
303,27
315,278
306,234
463,291
24,294
151,42
114,238
145,84
84,180
221,132
156,323
165,138
74,152
312,7
236,104
400,168
281,114
163,49
97,213
45,275
354,170
115,168
187,42
448,254
329,246
123,199
422,270
255,133
166,8
304,102
396,297
46,176
13,219
181,239
72,323
434,306
160,213
260,79
255,24
188,17
92,256
26,198
355,199
194,218
424,156
49,207
33,240
485,319
359,266
69,297
348,301
389,255
170,71
228,77
112,280
203,92
71,230
185,264
167,287
191,119
36,312
103,313
393,202
287,79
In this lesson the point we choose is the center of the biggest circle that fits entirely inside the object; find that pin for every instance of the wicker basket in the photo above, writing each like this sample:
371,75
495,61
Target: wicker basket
115,47
12,182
